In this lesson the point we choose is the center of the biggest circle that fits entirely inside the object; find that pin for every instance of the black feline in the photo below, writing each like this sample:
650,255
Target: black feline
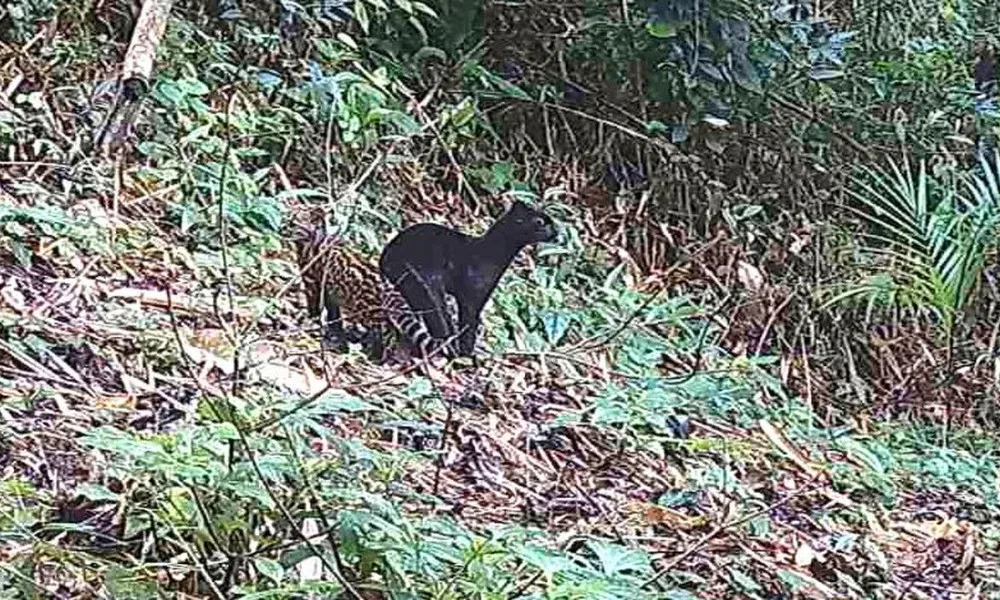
427,261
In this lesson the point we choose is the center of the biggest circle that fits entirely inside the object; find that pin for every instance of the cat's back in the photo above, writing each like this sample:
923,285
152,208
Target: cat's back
430,233
425,243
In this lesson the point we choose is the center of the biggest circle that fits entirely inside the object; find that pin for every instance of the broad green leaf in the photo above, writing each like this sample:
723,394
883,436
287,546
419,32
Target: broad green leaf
361,16
269,568
616,560
660,28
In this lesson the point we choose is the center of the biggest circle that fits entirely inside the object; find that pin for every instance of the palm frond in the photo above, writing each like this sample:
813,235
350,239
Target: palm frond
932,241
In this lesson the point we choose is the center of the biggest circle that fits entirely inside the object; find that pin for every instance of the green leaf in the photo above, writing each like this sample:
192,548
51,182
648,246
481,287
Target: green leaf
137,523
609,412
194,87
743,581
338,401
859,452
678,594
547,561
657,128
197,133
251,490
96,492
361,16
662,29
822,74
22,253
429,52
127,585
269,568
512,91
556,324
793,580
418,27
171,92
347,40
419,387
463,114
617,560
115,440
427,10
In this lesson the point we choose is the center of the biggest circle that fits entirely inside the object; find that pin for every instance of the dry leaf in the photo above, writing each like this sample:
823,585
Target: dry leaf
874,526
968,553
116,401
749,275
178,302
945,529
311,568
779,441
798,244
295,380
13,296
653,514
805,555
131,384
211,339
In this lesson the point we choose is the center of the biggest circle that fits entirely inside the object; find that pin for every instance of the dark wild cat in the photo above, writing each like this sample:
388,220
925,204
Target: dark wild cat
427,261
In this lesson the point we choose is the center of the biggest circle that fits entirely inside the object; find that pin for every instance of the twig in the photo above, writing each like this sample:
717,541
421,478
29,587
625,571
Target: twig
353,593
705,539
802,112
429,123
230,328
591,344
770,323
197,554
233,420
445,430
328,528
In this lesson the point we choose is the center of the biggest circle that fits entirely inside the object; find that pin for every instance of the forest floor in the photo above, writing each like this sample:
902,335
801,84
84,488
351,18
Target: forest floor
165,407
558,440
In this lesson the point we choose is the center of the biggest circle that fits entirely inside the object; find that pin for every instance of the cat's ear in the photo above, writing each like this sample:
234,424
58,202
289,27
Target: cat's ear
306,220
516,206
497,206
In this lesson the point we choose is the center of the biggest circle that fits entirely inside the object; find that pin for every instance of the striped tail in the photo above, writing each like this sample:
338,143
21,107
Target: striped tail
409,324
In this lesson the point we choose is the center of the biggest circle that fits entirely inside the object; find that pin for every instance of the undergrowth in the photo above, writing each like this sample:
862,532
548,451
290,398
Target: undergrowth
170,426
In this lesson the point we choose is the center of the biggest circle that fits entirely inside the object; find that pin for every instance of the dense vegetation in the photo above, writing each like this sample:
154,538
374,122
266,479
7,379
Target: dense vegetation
760,362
